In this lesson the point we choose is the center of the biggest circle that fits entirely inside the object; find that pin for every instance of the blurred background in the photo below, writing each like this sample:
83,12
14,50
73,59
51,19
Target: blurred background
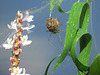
35,57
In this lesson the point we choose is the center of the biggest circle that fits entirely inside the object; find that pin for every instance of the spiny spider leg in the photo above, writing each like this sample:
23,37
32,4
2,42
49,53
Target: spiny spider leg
50,36
60,26
62,30
60,38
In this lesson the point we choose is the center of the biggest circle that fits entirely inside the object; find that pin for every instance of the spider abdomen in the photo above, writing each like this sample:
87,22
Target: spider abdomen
52,24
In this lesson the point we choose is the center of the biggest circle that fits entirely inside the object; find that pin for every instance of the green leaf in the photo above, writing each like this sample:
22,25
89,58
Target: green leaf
72,25
84,22
87,48
52,4
59,8
49,65
88,1
85,17
94,68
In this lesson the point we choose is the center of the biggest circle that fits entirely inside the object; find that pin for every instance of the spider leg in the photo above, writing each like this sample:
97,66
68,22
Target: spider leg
62,30
58,19
47,31
60,38
60,25
49,36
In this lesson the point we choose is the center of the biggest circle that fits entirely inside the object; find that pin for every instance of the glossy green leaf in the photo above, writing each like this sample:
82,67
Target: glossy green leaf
84,22
72,25
87,48
49,65
85,17
52,4
59,8
95,66
88,1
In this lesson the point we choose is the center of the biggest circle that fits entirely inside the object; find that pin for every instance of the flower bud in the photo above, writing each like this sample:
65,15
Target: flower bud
16,40
19,37
19,16
20,21
19,44
15,48
21,30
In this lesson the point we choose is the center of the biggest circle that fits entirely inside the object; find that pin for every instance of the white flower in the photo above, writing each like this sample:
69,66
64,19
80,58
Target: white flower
17,71
24,71
28,28
27,17
13,25
12,73
9,44
25,40
14,37
20,70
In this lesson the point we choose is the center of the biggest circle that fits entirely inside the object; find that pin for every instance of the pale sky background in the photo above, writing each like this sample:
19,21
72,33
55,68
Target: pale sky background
36,56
